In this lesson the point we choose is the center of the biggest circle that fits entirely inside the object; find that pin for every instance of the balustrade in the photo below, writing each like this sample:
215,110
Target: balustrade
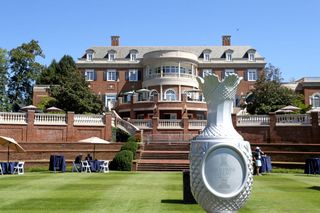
88,120
142,123
197,124
293,119
13,118
170,124
253,120
50,119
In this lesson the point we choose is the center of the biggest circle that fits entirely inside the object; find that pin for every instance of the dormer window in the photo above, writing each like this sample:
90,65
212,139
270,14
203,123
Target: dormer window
206,55
133,55
111,55
251,55
229,55
90,54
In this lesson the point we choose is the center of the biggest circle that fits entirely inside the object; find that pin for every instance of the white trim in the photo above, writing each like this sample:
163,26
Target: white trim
89,74
252,74
131,73
109,75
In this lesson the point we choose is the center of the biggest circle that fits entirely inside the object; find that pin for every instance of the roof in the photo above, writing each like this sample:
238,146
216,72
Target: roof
216,51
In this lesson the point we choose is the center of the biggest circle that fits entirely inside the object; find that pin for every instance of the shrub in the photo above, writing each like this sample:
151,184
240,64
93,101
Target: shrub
122,161
121,136
131,146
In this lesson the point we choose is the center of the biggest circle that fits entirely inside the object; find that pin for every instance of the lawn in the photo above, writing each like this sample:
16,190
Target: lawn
149,192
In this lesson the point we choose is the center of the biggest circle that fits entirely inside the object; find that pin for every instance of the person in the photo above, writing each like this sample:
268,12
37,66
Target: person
89,157
78,159
257,158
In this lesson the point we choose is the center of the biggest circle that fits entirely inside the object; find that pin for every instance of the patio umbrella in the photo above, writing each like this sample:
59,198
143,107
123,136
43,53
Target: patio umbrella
143,90
54,109
314,110
11,144
94,141
283,111
290,107
29,107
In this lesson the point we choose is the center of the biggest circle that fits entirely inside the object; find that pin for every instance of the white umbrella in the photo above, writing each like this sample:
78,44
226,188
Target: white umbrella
11,144
290,107
143,90
54,109
314,110
283,111
94,141
29,107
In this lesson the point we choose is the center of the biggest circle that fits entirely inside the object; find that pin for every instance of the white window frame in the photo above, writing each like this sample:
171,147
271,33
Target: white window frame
228,56
90,56
111,55
111,75
131,76
172,96
133,56
251,56
206,56
228,72
89,74
252,74
110,100
206,72
315,100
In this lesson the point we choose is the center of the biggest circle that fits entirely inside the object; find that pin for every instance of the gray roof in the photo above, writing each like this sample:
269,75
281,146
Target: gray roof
216,51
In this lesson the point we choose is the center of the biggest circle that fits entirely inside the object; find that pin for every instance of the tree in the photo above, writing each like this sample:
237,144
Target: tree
23,72
4,103
69,88
268,95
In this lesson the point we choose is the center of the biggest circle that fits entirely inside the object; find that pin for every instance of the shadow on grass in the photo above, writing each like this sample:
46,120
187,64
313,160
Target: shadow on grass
315,188
173,201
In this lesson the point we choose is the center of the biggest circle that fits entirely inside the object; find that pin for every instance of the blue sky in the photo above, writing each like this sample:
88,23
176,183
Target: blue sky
286,33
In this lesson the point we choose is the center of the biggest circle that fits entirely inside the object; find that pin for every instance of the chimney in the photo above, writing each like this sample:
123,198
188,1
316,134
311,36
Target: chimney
115,40
226,40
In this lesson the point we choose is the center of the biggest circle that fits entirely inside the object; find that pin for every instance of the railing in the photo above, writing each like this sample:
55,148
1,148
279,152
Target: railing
169,124
174,75
124,125
168,138
13,118
293,119
142,123
197,124
50,119
88,120
253,120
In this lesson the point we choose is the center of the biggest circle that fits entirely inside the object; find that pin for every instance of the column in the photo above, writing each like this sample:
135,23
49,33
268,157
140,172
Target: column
179,92
161,93
70,126
179,69
30,125
108,126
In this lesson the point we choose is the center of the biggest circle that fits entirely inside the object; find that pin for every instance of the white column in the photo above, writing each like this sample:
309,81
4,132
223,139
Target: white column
179,92
161,71
179,68
161,93
192,70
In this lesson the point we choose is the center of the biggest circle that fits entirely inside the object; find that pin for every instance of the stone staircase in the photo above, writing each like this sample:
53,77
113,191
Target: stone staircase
163,156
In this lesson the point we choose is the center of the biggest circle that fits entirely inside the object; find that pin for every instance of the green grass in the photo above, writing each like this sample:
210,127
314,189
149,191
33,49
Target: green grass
144,192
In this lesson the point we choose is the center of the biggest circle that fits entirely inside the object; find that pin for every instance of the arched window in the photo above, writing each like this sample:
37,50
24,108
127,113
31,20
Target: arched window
170,95
153,93
112,55
316,101
133,55
89,54
206,55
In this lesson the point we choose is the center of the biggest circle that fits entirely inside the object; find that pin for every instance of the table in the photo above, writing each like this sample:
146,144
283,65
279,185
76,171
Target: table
57,163
8,168
95,165
312,166
265,164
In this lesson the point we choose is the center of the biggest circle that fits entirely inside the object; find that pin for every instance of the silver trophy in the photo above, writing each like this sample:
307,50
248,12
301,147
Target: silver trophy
220,160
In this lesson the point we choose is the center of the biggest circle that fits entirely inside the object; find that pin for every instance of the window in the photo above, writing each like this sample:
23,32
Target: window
228,56
206,56
152,94
133,75
228,72
110,100
89,56
89,75
315,100
252,75
111,55
111,75
133,56
170,95
206,72
251,56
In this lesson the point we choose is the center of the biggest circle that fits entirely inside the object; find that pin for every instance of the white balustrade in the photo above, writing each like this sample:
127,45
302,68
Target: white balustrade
197,124
50,119
253,120
13,118
170,124
293,119
88,120
142,123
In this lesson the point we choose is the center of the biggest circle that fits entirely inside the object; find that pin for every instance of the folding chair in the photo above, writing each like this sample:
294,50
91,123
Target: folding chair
85,166
76,166
19,168
104,167
1,172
